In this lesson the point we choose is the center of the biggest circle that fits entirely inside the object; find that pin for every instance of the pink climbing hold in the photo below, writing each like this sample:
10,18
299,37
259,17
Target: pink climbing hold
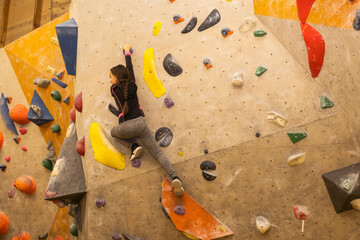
11,193
50,194
73,115
24,148
22,130
80,146
78,102
7,158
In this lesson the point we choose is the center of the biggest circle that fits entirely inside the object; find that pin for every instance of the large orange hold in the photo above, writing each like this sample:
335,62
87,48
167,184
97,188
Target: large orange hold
1,139
19,114
25,184
4,223
22,236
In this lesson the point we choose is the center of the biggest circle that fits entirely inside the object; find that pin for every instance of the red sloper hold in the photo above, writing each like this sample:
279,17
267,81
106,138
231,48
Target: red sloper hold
80,146
315,45
78,102
303,9
73,115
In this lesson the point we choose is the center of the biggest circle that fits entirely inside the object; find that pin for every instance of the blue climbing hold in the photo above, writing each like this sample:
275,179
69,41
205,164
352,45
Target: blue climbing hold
4,110
67,33
45,114
60,83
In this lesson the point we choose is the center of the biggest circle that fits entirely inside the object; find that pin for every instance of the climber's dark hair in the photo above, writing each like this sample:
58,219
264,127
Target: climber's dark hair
122,75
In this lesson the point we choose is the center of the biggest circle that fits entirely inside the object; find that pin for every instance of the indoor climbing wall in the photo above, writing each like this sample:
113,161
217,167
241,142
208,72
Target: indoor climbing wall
246,113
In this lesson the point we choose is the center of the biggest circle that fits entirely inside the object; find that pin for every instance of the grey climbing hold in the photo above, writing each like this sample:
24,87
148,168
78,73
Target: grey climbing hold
171,66
100,202
51,152
164,135
179,210
262,224
36,109
207,63
43,83
66,100
211,20
190,26
208,165
356,23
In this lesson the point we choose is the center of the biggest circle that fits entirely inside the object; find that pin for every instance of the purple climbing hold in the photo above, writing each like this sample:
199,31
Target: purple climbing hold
116,236
168,102
100,202
179,210
136,163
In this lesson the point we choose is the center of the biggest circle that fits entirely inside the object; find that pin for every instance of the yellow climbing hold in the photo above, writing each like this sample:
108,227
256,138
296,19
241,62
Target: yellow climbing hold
180,153
104,151
222,228
156,28
55,41
190,236
150,75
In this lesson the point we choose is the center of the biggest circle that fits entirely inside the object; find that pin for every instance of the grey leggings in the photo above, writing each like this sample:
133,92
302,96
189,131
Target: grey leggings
137,128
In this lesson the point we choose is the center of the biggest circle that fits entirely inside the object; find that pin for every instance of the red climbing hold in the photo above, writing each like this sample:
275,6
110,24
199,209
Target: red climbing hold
24,148
1,139
78,102
11,193
22,236
315,47
22,130
73,115
7,158
80,146
303,9
19,114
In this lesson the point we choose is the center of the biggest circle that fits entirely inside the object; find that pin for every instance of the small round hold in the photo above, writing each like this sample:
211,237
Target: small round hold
136,163
206,151
208,165
179,210
257,134
74,230
100,202
206,61
209,176
225,32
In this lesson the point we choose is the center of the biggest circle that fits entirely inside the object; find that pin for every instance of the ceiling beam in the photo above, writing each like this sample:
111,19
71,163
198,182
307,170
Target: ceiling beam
37,13
4,22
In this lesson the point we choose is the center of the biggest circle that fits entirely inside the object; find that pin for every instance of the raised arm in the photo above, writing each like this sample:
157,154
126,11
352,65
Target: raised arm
129,66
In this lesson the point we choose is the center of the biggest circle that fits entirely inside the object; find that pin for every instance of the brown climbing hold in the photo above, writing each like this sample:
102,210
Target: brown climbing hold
73,115
22,236
22,130
25,184
24,148
11,193
4,223
78,102
19,114
80,146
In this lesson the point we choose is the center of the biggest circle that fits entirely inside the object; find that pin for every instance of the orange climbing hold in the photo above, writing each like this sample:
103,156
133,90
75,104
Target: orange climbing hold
25,184
19,114
1,139
4,223
22,236
197,221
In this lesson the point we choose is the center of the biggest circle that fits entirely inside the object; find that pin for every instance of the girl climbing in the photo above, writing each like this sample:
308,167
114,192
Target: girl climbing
131,118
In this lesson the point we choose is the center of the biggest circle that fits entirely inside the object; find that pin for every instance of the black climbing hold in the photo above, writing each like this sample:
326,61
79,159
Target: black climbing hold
164,135
113,109
356,23
206,61
343,186
190,26
226,32
208,165
43,236
257,134
209,176
206,151
211,20
171,66
3,167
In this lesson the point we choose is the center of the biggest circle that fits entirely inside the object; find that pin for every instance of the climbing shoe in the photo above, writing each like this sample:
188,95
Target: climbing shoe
136,151
178,188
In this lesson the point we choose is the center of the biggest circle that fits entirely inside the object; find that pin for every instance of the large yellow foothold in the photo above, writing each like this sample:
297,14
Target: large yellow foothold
104,151
150,75
156,28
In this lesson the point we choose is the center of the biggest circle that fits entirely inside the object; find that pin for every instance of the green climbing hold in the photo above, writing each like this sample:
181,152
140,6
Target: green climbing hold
47,163
55,128
325,102
74,230
259,33
260,71
295,137
56,95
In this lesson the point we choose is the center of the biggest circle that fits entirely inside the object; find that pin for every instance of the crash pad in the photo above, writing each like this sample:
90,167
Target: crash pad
197,221
104,151
150,74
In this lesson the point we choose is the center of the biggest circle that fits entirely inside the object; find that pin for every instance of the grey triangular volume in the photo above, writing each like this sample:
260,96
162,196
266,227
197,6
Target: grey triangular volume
67,181
211,20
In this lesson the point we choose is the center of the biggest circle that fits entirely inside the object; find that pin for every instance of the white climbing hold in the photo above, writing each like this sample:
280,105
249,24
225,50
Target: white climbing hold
57,167
55,41
355,204
296,159
237,80
262,224
276,118
247,24
70,129
36,109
